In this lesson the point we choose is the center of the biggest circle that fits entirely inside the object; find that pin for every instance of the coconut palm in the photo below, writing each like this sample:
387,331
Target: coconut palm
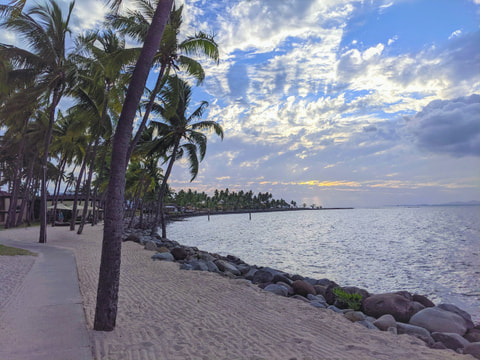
44,29
179,134
171,54
109,277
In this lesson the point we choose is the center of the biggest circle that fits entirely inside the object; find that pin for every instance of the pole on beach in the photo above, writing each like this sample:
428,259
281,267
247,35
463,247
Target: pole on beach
208,214
249,215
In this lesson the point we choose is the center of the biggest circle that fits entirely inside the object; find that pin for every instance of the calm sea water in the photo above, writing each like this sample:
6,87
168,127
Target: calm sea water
433,251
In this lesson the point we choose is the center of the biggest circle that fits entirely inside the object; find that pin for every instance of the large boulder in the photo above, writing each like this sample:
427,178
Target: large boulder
150,245
435,319
473,335
390,303
133,237
466,316
450,340
303,288
262,276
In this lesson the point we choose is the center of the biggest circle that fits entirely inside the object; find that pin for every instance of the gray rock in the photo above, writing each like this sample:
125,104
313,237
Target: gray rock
385,321
281,278
473,349
151,246
435,319
416,306
186,266
211,266
392,330
334,308
367,324
132,237
298,297
355,316
318,298
244,268
394,304
288,287
417,331
319,305
165,256
262,276
277,289
472,335
250,274
450,340
199,265
466,316
225,266
423,300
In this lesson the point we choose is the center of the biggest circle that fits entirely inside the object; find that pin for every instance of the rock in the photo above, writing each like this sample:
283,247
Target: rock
335,309
326,283
423,300
179,253
243,268
438,346
132,237
319,305
163,249
356,290
450,340
225,266
417,331
355,316
473,349
405,294
186,266
151,246
390,303
392,330
473,335
385,321
281,278
199,265
367,324
416,306
212,267
166,256
298,297
466,316
297,277
329,295
320,289
318,298
303,288
262,276
277,289
435,319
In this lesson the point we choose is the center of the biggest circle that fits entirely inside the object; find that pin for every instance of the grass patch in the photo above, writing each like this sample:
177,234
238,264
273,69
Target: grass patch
12,251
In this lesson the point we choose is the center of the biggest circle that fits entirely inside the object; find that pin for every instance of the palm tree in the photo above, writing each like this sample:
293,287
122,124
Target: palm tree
171,54
179,135
109,277
46,63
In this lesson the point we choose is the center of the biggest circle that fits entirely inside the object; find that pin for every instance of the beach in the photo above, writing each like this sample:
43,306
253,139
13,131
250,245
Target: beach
168,313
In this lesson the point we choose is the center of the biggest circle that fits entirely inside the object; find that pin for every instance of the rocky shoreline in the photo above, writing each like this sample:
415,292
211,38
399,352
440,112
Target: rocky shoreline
442,326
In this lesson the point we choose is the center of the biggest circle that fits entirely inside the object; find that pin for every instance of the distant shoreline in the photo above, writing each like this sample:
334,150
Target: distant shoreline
178,216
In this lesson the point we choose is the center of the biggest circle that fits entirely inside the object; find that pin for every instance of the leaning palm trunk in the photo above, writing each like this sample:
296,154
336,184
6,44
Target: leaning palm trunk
87,194
77,188
109,277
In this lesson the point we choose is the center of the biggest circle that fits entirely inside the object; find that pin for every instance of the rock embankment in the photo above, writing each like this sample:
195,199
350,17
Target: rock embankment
441,327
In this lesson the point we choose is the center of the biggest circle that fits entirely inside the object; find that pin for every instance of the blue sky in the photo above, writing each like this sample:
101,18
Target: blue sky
339,102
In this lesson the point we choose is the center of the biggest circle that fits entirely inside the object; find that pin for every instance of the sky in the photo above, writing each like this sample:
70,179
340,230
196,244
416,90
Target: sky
337,102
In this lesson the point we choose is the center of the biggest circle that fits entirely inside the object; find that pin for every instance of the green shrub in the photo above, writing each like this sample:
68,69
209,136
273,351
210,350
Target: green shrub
353,301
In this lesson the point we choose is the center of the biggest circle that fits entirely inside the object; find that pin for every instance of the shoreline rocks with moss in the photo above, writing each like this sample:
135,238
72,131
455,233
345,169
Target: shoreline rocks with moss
444,326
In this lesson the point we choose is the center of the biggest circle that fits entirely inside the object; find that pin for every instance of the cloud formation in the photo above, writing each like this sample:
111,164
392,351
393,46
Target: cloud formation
449,126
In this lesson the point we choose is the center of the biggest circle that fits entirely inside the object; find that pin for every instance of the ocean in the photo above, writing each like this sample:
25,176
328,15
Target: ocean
433,251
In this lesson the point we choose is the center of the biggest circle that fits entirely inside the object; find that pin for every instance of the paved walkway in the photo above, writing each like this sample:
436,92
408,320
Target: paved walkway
45,320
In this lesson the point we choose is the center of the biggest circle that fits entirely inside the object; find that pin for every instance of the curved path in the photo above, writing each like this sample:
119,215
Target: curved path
44,317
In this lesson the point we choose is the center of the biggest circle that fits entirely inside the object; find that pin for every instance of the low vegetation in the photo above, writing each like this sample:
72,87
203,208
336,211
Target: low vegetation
353,301
12,251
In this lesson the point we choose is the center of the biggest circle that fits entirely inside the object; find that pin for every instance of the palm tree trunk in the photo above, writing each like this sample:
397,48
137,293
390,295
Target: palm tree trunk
25,199
109,277
89,182
148,109
43,201
161,196
78,186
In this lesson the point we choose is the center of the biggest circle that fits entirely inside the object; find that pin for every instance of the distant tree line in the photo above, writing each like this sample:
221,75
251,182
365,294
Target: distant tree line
227,200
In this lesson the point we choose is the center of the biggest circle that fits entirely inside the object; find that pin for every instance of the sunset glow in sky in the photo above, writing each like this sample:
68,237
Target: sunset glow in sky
338,102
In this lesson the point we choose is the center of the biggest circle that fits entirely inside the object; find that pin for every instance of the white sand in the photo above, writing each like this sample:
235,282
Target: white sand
167,313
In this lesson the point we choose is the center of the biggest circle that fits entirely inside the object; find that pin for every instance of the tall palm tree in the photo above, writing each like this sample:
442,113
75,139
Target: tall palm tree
179,134
171,54
46,62
109,277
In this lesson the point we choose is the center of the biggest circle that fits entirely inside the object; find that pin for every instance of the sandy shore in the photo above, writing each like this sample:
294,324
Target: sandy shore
167,313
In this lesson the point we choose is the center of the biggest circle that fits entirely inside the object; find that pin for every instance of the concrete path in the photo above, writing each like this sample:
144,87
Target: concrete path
45,319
